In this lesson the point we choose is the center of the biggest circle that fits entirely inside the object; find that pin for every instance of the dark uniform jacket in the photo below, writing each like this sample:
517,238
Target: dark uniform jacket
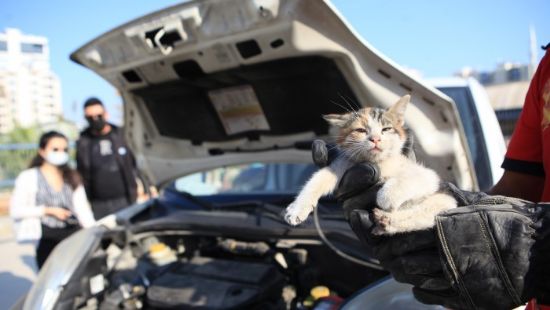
126,162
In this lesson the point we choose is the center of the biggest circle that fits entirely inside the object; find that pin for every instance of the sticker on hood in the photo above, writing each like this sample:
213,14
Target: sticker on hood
238,109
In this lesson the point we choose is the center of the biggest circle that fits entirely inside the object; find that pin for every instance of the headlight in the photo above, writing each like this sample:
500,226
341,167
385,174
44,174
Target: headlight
60,267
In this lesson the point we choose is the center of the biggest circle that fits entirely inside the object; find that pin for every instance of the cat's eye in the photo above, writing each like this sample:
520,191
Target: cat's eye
362,130
386,129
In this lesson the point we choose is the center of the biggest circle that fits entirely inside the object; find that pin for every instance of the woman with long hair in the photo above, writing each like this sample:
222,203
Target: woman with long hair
48,202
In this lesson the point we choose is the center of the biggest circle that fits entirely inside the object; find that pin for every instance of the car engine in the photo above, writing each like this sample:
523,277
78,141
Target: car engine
177,270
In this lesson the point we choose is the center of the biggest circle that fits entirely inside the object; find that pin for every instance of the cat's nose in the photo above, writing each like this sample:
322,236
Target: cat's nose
374,139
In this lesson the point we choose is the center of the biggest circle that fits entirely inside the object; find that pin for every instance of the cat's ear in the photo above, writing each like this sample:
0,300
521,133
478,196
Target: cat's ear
338,120
397,111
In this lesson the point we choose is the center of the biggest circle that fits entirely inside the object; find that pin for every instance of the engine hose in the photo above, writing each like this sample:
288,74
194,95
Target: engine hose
336,250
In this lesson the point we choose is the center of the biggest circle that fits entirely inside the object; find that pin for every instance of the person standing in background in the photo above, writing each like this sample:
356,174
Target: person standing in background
48,202
107,165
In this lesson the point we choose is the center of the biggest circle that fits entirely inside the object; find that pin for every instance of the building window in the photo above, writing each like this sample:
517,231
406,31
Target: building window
31,48
485,78
3,46
514,74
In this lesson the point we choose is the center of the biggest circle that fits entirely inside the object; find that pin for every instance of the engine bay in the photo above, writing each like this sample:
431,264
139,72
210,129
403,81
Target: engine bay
181,270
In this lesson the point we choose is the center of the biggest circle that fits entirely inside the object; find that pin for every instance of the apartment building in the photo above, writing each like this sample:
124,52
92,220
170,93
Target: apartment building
30,93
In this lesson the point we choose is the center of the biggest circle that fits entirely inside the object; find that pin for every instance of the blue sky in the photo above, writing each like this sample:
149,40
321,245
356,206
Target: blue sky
436,38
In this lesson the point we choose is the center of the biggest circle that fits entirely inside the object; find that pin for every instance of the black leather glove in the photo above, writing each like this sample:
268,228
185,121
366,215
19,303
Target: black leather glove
541,257
493,253
410,257
485,256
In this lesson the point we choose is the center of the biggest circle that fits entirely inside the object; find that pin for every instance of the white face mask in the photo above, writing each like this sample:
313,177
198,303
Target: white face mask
57,158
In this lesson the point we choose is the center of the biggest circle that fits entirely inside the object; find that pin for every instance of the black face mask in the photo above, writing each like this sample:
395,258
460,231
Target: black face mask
96,124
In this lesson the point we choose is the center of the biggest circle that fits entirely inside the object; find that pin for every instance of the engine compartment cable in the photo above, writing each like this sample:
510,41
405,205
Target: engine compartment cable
335,249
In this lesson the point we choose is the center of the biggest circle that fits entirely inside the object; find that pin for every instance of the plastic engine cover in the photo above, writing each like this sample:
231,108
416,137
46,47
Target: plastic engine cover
206,283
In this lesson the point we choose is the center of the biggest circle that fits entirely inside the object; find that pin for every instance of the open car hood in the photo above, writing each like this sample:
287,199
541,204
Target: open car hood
220,82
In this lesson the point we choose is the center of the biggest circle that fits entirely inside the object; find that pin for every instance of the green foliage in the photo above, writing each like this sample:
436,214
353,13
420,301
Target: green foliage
14,161
18,147
22,135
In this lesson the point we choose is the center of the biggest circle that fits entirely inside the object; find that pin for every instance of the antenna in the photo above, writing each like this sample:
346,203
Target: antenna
532,50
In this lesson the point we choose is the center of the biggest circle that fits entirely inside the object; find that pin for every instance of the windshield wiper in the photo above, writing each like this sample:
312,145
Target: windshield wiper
196,200
260,208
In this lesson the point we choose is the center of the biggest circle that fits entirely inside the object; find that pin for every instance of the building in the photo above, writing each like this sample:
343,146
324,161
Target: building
507,85
507,100
30,93
507,72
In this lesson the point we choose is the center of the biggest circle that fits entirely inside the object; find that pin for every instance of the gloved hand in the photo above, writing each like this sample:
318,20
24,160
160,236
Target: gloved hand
539,273
410,257
486,255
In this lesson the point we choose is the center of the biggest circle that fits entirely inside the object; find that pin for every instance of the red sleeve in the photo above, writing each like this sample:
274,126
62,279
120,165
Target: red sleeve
525,149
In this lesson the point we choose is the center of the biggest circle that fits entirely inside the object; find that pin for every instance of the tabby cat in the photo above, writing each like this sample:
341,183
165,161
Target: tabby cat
409,198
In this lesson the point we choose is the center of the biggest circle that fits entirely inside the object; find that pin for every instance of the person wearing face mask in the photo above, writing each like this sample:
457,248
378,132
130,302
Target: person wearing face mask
107,165
48,202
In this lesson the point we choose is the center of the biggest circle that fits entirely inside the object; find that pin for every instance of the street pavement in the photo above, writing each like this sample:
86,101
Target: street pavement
17,266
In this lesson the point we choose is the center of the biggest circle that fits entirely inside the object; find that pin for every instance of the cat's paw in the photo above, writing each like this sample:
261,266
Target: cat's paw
378,231
382,219
297,212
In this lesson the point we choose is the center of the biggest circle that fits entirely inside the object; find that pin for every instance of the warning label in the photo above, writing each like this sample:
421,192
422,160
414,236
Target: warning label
239,109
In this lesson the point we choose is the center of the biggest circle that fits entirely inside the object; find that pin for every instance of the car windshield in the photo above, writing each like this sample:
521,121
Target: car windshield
471,123
255,178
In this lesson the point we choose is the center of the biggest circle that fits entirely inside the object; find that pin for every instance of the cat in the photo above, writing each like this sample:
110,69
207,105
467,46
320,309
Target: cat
409,197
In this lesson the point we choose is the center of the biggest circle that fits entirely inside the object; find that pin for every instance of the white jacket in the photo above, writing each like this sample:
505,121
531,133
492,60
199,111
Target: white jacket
26,214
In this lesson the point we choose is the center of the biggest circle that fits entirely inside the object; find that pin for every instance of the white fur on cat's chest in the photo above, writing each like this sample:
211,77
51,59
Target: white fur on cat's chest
393,167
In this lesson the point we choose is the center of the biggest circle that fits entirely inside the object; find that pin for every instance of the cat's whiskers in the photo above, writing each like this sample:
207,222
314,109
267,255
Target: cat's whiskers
343,107
351,154
340,156
354,149
352,108
331,148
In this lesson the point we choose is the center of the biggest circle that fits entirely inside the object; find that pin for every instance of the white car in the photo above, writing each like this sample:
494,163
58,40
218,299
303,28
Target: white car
485,138
231,93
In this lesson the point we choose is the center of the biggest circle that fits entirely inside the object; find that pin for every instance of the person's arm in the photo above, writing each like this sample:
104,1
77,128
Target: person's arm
145,190
524,176
82,208
519,185
82,163
22,202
